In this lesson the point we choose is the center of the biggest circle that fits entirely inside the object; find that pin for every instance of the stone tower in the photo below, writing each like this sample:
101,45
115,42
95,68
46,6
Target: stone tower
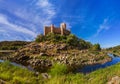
52,28
56,30
62,27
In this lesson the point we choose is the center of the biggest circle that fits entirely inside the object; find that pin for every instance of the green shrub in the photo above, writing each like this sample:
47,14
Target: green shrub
12,45
72,40
84,45
58,69
96,47
40,38
16,75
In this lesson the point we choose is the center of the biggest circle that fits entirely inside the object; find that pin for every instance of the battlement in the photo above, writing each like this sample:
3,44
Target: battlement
60,30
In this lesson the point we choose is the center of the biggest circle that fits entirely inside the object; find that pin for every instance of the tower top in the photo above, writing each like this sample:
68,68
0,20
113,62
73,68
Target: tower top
63,25
56,30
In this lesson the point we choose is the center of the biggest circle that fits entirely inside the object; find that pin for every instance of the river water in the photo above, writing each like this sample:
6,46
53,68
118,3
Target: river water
91,68
19,65
86,69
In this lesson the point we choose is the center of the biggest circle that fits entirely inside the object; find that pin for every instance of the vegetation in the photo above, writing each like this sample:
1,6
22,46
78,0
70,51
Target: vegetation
16,75
96,47
12,45
58,69
59,72
71,40
115,50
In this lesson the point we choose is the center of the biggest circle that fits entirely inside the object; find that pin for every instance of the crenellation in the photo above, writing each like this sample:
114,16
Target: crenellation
47,30
52,28
60,30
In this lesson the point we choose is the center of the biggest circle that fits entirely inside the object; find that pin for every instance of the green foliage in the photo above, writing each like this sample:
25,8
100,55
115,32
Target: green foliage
12,45
52,37
115,50
70,40
55,38
58,69
84,45
96,47
40,38
16,75
101,76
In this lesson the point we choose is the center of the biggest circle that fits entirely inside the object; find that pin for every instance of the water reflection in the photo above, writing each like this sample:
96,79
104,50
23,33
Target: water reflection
90,68
19,65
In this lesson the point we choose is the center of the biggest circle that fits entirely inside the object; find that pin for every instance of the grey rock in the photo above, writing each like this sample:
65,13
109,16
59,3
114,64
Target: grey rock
43,54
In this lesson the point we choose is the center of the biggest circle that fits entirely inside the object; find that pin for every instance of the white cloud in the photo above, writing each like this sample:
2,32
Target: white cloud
29,19
47,7
40,12
14,27
103,26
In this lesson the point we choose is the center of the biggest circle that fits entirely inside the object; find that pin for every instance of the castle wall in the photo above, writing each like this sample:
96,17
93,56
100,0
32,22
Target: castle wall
63,26
47,30
62,30
57,31
66,32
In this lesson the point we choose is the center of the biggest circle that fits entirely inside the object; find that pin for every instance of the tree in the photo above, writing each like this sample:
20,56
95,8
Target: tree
96,47
84,45
72,40
40,38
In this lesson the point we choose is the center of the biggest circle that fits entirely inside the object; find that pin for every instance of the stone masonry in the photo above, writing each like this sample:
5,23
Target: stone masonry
52,29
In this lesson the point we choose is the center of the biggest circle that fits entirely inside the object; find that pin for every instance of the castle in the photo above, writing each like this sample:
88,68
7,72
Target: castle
52,29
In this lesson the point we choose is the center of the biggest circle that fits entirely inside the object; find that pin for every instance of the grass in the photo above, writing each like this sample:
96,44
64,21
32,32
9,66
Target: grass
15,75
58,70
101,76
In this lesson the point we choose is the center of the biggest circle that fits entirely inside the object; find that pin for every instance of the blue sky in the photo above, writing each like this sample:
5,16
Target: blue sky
97,21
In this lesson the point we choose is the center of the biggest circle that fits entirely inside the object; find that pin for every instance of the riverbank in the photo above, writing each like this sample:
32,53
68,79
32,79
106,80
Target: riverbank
48,50
85,70
115,50
41,56
53,57
12,74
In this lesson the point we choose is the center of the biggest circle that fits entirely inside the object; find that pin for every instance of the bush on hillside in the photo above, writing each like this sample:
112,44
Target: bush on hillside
58,69
70,40
84,45
12,45
40,38
96,47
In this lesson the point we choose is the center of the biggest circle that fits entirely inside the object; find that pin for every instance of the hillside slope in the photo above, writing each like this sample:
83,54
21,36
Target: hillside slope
51,49
115,50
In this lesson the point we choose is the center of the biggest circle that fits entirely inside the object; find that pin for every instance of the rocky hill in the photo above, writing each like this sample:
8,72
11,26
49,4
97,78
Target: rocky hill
12,45
51,49
115,50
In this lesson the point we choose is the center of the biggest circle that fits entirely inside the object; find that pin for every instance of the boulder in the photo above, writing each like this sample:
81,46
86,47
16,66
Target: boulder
45,75
2,82
43,54
114,80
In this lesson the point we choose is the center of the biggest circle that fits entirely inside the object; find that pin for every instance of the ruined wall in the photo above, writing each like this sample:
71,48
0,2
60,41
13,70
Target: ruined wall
57,31
62,30
47,30
66,32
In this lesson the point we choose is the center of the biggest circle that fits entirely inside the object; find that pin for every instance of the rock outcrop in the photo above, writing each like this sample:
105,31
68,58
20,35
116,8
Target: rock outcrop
114,80
2,81
41,56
